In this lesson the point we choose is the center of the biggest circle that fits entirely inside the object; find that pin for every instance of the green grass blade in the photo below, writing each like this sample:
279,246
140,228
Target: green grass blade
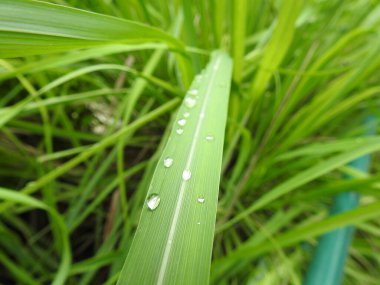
306,176
173,242
278,45
32,187
239,14
75,57
311,230
22,31
249,250
63,271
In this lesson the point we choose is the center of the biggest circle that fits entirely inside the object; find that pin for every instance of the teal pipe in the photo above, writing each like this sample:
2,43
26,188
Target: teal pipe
327,265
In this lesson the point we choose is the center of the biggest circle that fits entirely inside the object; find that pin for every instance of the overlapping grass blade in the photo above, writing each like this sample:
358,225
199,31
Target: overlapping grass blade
173,242
306,176
248,250
64,243
22,31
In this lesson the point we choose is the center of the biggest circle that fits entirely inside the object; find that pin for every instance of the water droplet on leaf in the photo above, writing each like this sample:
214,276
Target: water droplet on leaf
181,122
153,202
186,174
201,200
209,138
190,102
168,162
193,92
186,115
179,131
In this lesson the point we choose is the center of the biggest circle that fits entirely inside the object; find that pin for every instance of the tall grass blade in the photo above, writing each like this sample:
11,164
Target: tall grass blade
23,33
64,267
173,242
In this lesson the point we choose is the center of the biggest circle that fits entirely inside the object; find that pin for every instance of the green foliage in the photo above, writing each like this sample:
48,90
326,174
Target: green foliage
90,104
178,234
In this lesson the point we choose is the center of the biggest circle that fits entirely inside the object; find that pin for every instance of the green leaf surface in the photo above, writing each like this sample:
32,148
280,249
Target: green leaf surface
178,234
34,27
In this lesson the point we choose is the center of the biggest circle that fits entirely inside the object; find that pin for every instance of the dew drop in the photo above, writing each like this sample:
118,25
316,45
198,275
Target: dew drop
209,138
193,92
198,223
179,131
201,200
153,202
186,174
202,115
186,115
190,102
168,162
181,122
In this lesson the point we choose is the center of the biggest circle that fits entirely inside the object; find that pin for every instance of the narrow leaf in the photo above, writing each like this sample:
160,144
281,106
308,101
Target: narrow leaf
33,27
173,242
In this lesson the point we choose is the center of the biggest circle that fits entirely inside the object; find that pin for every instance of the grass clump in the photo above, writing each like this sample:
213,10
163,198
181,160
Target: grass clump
91,116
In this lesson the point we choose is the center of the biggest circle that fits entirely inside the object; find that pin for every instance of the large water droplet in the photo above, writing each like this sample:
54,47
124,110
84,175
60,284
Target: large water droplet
186,174
168,162
181,122
201,200
209,138
190,102
179,131
193,92
186,115
153,202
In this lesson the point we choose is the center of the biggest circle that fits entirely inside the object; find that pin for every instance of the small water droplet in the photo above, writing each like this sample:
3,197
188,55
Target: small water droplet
193,92
186,174
209,138
179,131
181,122
186,115
198,223
168,162
202,115
201,200
153,202
190,102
